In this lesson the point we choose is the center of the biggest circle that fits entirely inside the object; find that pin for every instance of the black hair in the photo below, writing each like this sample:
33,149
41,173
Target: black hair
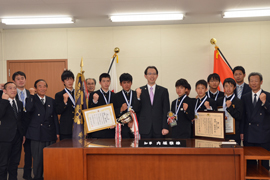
17,74
240,68
66,75
201,82
229,81
213,76
37,81
255,74
91,79
5,85
181,82
189,87
125,77
104,75
150,67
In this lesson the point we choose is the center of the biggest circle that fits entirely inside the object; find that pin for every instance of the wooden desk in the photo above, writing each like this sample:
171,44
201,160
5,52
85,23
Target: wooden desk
85,160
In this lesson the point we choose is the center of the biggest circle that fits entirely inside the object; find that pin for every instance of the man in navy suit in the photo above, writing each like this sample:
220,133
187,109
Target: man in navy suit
11,132
256,115
239,75
154,106
43,129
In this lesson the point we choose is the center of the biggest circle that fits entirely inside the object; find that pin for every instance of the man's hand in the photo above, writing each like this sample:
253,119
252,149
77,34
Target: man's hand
65,97
32,91
207,105
112,127
242,137
263,97
95,97
130,124
124,107
165,131
139,92
228,103
23,141
185,106
5,96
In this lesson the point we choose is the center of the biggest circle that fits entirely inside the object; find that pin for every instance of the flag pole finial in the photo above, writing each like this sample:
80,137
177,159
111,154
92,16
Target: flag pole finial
213,41
81,65
116,50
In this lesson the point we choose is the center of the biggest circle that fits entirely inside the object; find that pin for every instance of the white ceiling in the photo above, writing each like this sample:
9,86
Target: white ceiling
95,13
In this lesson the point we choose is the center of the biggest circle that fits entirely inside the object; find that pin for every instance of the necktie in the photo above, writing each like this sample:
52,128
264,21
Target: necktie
14,108
151,95
239,92
255,100
42,101
22,98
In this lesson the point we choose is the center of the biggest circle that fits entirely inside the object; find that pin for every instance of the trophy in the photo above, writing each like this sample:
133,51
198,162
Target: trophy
171,119
126,118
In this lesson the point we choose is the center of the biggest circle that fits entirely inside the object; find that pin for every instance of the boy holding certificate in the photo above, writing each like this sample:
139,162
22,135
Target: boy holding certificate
182,109
233,110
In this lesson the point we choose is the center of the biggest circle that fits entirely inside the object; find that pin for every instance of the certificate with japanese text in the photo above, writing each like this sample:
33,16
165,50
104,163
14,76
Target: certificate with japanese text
229,122
210,125
99,118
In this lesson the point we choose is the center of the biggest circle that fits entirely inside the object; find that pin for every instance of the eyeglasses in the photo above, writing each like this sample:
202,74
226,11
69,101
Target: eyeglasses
151,74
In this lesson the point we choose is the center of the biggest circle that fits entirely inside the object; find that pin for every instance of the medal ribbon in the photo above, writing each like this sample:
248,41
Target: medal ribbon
177,109
196,110
135,126
224,104
70,97
210,96
107,102
130,99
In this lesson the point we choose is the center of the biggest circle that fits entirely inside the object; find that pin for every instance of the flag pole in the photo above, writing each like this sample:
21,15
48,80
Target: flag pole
214,41
116,50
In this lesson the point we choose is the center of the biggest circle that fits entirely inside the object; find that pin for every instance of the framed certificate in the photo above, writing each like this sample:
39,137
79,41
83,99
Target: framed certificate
99,118
210,125
229,122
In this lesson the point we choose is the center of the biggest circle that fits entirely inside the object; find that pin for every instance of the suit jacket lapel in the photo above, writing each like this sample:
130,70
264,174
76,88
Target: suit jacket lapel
156,94
40,105
145,89
257,107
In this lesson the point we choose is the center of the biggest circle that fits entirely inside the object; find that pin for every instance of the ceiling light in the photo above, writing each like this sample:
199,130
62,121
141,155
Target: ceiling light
249,13
51,20
147,17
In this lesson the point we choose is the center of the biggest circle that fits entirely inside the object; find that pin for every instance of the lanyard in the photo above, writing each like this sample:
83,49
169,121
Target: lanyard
70,97
224,102
177,109
196,110
130,99
107,102
215,97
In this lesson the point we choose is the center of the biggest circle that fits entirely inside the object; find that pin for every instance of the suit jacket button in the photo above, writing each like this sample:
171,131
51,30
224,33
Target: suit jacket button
260,113
51,115
249,123
41,124
257,124
38,114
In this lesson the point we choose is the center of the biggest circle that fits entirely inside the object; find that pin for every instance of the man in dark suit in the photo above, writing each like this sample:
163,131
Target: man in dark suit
101,97
43,129
19,79
242,88
232,106
154,106
65,105
11,132
213,81
125,99
1,90
256,115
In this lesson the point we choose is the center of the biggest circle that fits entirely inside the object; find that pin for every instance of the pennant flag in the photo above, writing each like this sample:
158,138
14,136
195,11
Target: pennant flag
222,68
80,104
113,74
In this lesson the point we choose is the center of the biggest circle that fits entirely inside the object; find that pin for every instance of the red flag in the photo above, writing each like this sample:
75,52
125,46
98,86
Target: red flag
221,68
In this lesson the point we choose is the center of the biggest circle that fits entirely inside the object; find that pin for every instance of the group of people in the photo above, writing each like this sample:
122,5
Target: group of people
29,117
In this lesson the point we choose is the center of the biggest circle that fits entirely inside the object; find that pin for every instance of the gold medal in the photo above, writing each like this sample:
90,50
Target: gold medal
196,117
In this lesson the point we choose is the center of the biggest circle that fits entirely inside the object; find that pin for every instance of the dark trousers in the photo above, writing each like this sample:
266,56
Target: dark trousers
10,154
265,163
37,153
27,159
151,134
65,136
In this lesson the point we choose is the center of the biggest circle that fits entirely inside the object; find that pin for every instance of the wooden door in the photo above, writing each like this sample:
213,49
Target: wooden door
49,70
